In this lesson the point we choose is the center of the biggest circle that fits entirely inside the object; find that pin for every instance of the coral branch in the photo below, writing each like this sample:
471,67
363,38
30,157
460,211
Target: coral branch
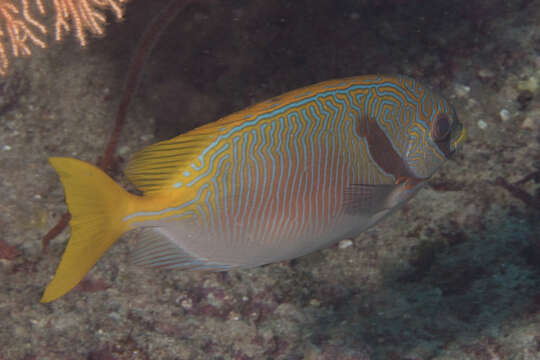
20,30
85,15
57,229
519,193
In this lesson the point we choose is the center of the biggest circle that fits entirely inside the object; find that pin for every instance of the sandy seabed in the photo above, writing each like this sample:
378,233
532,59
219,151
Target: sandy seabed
453,275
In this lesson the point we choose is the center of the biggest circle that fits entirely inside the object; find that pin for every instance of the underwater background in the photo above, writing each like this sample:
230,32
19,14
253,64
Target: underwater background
455,274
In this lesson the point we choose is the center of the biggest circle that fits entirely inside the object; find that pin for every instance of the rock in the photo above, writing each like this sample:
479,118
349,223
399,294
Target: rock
482,124
504,114
462,90
531,84
485,74
343,244
529,123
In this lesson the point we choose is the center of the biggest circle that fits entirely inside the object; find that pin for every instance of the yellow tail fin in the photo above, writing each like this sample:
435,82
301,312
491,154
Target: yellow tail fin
97,205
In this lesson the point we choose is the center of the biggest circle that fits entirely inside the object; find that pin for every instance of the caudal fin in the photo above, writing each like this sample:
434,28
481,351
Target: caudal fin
97,205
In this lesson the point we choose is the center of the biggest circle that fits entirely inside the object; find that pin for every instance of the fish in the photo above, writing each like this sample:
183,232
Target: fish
275,181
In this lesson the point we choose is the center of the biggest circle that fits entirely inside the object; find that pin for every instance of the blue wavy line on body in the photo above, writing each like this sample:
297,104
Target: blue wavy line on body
266,205
210,166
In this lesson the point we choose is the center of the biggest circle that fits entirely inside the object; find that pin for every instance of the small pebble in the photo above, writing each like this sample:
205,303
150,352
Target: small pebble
234,316
485,74
462,90
482,124
504,115
343,244
186,304
531,84
123,150
528,123
115,316
6,148
146,137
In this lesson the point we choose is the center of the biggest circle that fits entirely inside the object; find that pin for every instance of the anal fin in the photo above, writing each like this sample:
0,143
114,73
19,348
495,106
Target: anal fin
155,248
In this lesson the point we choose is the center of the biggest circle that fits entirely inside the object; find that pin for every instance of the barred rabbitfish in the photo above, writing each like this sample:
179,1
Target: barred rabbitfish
275,181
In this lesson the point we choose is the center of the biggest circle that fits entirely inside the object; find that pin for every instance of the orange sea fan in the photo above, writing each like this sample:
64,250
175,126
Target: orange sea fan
22,23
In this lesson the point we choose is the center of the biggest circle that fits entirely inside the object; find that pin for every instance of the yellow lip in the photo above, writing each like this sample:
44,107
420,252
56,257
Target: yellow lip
461,138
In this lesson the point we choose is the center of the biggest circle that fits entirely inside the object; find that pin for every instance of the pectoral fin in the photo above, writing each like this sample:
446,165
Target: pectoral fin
364,199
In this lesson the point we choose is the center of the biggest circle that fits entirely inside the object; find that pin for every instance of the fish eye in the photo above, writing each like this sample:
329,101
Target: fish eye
441,127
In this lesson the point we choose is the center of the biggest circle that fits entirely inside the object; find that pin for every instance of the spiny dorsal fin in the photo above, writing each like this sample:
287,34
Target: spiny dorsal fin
153,169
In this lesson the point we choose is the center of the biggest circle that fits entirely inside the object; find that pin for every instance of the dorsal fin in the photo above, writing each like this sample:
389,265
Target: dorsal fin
153,169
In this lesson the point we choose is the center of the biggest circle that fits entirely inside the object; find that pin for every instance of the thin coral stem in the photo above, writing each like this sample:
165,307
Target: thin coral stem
522,195
149,38
55,231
